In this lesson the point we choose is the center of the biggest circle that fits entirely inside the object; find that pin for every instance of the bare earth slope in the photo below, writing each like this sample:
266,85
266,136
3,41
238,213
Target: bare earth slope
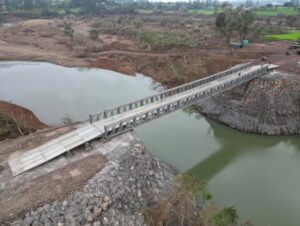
16,120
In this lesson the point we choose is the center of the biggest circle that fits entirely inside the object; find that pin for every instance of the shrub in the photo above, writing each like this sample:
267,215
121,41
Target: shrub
180,208
191,204
97,24
163,21
94,34
167,40
227,216
68,30
67,120
138,23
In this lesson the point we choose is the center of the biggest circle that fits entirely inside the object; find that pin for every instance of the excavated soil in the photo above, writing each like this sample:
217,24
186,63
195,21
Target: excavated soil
17,121
24,116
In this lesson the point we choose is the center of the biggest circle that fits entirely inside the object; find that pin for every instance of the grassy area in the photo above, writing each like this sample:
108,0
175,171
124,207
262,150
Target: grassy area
286,11
144,11
163,41
292,36
76,10
206,12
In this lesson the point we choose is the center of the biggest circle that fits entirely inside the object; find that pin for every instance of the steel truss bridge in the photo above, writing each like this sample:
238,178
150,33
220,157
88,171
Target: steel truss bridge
109,123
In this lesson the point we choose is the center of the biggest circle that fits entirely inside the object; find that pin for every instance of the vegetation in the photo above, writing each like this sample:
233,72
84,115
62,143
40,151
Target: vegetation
189,204
230,21
12,126
292,36
138,23
68,30
157,40
206,12
94,34
67,120
286,11
162,41
63,7
4,122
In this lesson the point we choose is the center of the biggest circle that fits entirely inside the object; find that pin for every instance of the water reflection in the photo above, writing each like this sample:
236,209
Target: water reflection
233,144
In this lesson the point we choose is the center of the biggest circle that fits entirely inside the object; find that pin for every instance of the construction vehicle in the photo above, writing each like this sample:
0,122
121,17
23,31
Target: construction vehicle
239,45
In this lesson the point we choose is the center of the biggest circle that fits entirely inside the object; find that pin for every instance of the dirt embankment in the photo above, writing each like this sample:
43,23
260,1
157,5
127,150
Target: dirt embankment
168,69
267,105
16,121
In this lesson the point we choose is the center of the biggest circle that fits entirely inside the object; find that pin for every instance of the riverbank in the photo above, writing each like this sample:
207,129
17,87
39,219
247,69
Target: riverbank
48,40
17,121
267,105
115,194
45,40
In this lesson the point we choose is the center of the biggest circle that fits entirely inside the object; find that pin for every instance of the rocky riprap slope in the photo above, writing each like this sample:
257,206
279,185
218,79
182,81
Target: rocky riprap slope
267,105
114,196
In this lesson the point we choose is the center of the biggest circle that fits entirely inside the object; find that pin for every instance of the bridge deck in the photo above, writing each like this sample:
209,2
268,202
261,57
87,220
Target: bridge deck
87,131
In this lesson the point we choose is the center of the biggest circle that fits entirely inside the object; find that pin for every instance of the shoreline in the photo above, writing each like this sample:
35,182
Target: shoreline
215,114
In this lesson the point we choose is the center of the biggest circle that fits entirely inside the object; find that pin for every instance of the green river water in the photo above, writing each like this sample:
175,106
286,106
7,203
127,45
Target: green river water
258,175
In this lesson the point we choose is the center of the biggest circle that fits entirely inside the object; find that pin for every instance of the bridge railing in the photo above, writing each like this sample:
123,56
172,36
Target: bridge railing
164,94
131,121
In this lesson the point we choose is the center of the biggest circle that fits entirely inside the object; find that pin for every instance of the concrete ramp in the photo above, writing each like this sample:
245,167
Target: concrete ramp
53,148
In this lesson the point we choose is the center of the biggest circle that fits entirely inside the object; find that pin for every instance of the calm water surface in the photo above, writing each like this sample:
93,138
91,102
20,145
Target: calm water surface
258,175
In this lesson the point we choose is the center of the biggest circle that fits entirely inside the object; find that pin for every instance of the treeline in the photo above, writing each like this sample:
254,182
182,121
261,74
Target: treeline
65,6
99,6
180,5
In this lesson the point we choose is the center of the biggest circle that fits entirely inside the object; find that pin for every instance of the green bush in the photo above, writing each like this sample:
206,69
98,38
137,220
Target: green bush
227,216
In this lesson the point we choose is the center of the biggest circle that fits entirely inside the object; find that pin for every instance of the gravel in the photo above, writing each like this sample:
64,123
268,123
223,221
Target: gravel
267,105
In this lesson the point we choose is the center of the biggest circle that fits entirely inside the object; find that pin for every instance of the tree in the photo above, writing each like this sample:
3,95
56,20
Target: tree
231,20
245,19
295,3
226,24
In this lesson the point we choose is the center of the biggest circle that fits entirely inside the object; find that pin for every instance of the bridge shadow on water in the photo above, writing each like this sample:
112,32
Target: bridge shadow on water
234,144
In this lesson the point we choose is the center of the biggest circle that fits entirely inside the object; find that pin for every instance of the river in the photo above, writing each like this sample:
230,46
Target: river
258,175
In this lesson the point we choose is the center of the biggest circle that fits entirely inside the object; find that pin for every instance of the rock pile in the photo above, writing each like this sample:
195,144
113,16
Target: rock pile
114,196
267,105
